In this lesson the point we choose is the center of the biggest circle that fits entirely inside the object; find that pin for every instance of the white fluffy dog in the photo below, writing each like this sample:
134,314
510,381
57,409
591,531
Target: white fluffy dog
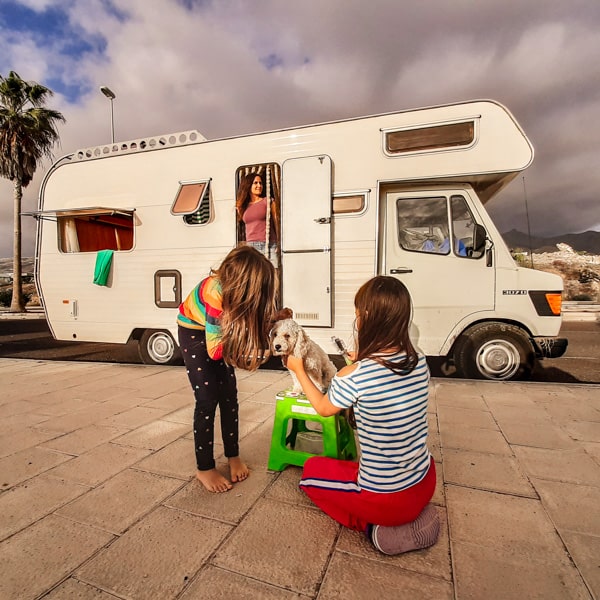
289,339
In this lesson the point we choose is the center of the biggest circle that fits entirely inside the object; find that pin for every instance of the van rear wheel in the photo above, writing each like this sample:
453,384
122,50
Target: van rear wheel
157,347
496,351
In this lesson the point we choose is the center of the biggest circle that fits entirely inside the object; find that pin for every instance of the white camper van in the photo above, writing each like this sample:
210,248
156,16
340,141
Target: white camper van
400,194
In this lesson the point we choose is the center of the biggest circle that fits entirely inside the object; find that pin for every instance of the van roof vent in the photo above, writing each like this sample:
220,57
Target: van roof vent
183,138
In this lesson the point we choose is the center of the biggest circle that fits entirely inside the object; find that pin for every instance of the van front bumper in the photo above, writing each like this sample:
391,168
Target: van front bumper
550,347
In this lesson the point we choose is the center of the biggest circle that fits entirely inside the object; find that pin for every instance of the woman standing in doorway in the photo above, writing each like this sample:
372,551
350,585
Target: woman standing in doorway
259,216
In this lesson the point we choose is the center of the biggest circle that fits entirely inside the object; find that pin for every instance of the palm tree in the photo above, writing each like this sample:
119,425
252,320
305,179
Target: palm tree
27,134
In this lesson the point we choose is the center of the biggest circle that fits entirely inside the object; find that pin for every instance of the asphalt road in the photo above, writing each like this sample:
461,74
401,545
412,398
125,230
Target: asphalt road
31,338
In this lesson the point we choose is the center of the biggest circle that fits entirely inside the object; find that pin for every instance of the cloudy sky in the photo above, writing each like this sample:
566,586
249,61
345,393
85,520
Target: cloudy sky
229,67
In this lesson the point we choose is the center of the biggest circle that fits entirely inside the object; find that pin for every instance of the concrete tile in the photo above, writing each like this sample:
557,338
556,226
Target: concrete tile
21,422
230,506
448,416
153,436
215,583
507,524
585,552
434,445
538,435
285,487
72,589
120,501
24,504
526,413
134,417
65,407
451,397
175,546
255,448
258,412
483,572
172,401
593,449
461,437
84,439
18,407
39,557
433,561
281,544
182,415
573,409
572,507
28,463
587,431
252,385
574,466
350,577
23,439
175,460
439,495
492,472
99,464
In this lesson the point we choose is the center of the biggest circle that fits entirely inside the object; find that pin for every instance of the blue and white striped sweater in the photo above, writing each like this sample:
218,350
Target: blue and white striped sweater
391,419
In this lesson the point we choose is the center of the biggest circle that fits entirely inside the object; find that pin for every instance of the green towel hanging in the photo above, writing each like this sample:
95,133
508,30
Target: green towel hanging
103,264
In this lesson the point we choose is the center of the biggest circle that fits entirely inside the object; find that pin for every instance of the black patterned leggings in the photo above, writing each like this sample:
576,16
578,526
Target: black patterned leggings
214,384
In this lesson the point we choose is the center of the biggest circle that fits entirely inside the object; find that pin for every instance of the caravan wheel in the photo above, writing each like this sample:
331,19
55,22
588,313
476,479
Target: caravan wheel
496,351
157,347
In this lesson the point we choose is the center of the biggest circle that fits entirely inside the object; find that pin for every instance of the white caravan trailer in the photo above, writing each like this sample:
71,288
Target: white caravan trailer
400,194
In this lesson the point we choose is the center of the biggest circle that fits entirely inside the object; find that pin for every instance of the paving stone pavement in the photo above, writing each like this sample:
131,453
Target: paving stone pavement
98,498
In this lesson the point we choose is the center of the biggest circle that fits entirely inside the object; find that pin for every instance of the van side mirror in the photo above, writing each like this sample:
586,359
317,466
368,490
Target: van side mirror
479,238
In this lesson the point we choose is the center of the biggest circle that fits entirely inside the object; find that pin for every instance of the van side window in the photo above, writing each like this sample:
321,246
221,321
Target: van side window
193,202
352,203
423,224
463,225
90,230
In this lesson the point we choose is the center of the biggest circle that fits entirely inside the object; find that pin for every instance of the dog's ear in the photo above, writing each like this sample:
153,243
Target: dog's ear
302,343
284,313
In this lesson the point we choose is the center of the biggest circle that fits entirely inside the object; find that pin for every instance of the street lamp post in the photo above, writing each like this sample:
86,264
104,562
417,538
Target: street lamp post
111,96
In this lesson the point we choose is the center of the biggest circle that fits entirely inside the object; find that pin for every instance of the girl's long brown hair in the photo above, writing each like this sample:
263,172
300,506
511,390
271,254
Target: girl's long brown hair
384,311
249,283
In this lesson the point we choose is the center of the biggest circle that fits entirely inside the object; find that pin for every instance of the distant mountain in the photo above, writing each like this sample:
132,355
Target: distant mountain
588,241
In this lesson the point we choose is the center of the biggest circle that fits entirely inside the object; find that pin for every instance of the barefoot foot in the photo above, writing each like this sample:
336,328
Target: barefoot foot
238,470
213,481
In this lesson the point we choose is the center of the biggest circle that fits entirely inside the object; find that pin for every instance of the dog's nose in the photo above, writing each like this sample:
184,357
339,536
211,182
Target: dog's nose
278,347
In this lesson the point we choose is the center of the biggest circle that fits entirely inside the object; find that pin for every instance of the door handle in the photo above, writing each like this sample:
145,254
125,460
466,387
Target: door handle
400,270
323,220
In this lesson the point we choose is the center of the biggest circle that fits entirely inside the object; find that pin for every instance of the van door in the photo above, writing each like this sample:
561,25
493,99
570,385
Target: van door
306,239
429,246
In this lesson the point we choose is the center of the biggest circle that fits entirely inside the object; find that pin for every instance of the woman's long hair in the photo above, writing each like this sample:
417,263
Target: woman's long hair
249,283
384,312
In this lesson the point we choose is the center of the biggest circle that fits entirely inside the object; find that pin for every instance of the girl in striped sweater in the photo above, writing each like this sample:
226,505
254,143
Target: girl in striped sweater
387,493
222,324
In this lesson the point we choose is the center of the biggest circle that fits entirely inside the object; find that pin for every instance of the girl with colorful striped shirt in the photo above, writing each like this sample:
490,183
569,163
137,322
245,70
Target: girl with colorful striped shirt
223,324
387,493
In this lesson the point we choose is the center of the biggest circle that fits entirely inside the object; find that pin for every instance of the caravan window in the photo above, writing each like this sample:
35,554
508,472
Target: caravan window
193,202
352,203
435,137
90,230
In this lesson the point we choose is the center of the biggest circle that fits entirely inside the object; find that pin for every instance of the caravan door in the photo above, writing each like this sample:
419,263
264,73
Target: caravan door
430,247
306,239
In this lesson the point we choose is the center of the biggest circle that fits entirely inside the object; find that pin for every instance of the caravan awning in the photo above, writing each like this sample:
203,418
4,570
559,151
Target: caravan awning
92,211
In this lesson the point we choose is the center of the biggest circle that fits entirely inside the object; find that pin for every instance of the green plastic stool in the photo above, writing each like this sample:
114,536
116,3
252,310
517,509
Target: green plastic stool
337,435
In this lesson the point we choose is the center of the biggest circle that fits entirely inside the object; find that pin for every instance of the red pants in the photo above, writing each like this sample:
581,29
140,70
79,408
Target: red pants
331,485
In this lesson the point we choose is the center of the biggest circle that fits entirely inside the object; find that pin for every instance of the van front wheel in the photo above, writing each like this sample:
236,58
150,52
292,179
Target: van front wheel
157,347
496,351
